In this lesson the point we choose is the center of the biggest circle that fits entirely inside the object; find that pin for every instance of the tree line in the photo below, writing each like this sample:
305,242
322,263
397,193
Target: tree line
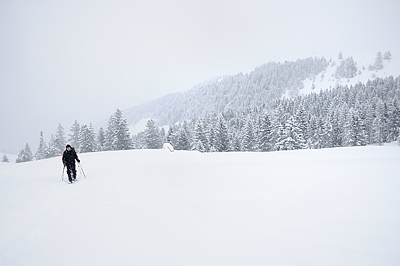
341,117
83,138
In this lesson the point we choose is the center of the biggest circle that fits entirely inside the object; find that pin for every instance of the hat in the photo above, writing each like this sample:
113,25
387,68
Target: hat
68,146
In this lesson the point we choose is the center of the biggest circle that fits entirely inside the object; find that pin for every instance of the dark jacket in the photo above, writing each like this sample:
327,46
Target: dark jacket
69,157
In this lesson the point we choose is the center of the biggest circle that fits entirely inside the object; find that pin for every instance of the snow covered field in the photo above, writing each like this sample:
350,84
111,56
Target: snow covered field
152,207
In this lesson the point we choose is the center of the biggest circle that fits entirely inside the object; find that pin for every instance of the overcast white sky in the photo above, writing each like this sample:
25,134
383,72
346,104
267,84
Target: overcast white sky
67,60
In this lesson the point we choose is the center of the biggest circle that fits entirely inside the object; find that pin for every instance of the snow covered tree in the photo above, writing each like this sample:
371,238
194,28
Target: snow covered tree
393,123
346,69
248,136
221,135
25,155
60,140
163,135
265,137
74,136
52,150
378,61
381,125
117,135
236,145
41,152
325,133
301,119
377,131
312,141
211,138
183,141
199,135
355,132
292,138
285,140
101,139
387,55
87,139
5,159
152,137
172,136
336,133
340,56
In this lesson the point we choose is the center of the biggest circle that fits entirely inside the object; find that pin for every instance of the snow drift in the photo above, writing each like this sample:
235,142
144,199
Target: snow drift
153,207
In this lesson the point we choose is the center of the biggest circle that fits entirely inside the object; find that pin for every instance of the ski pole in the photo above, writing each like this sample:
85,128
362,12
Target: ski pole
80,166
62,176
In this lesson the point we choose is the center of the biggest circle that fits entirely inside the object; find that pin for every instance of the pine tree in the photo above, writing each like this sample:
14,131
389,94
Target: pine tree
163,135
117,135
292,138
325,133
183,142
378,61
313,141
381,126
52,150
285,140
346,69
301,119
200,147
41,152
123,136
265,134
60,140
211,138
236,145
152,136
101,139
355,132
222,138
87,139
387,55
377,131
25,155
393,120
336,133
172,137
199,135
75,136
5,159
248,138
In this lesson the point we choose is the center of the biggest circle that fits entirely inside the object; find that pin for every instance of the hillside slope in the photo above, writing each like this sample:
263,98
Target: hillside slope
262,86
151,207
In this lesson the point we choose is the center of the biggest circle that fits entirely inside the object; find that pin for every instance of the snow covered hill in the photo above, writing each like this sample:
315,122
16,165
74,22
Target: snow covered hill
327,79
262,86
153,207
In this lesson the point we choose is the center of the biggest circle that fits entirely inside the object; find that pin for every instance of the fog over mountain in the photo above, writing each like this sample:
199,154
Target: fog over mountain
65,61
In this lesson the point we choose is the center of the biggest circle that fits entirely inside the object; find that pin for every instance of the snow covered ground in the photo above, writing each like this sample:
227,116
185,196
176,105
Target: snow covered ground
153,207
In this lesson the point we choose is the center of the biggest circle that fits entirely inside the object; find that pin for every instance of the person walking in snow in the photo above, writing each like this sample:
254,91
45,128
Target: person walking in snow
68,159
